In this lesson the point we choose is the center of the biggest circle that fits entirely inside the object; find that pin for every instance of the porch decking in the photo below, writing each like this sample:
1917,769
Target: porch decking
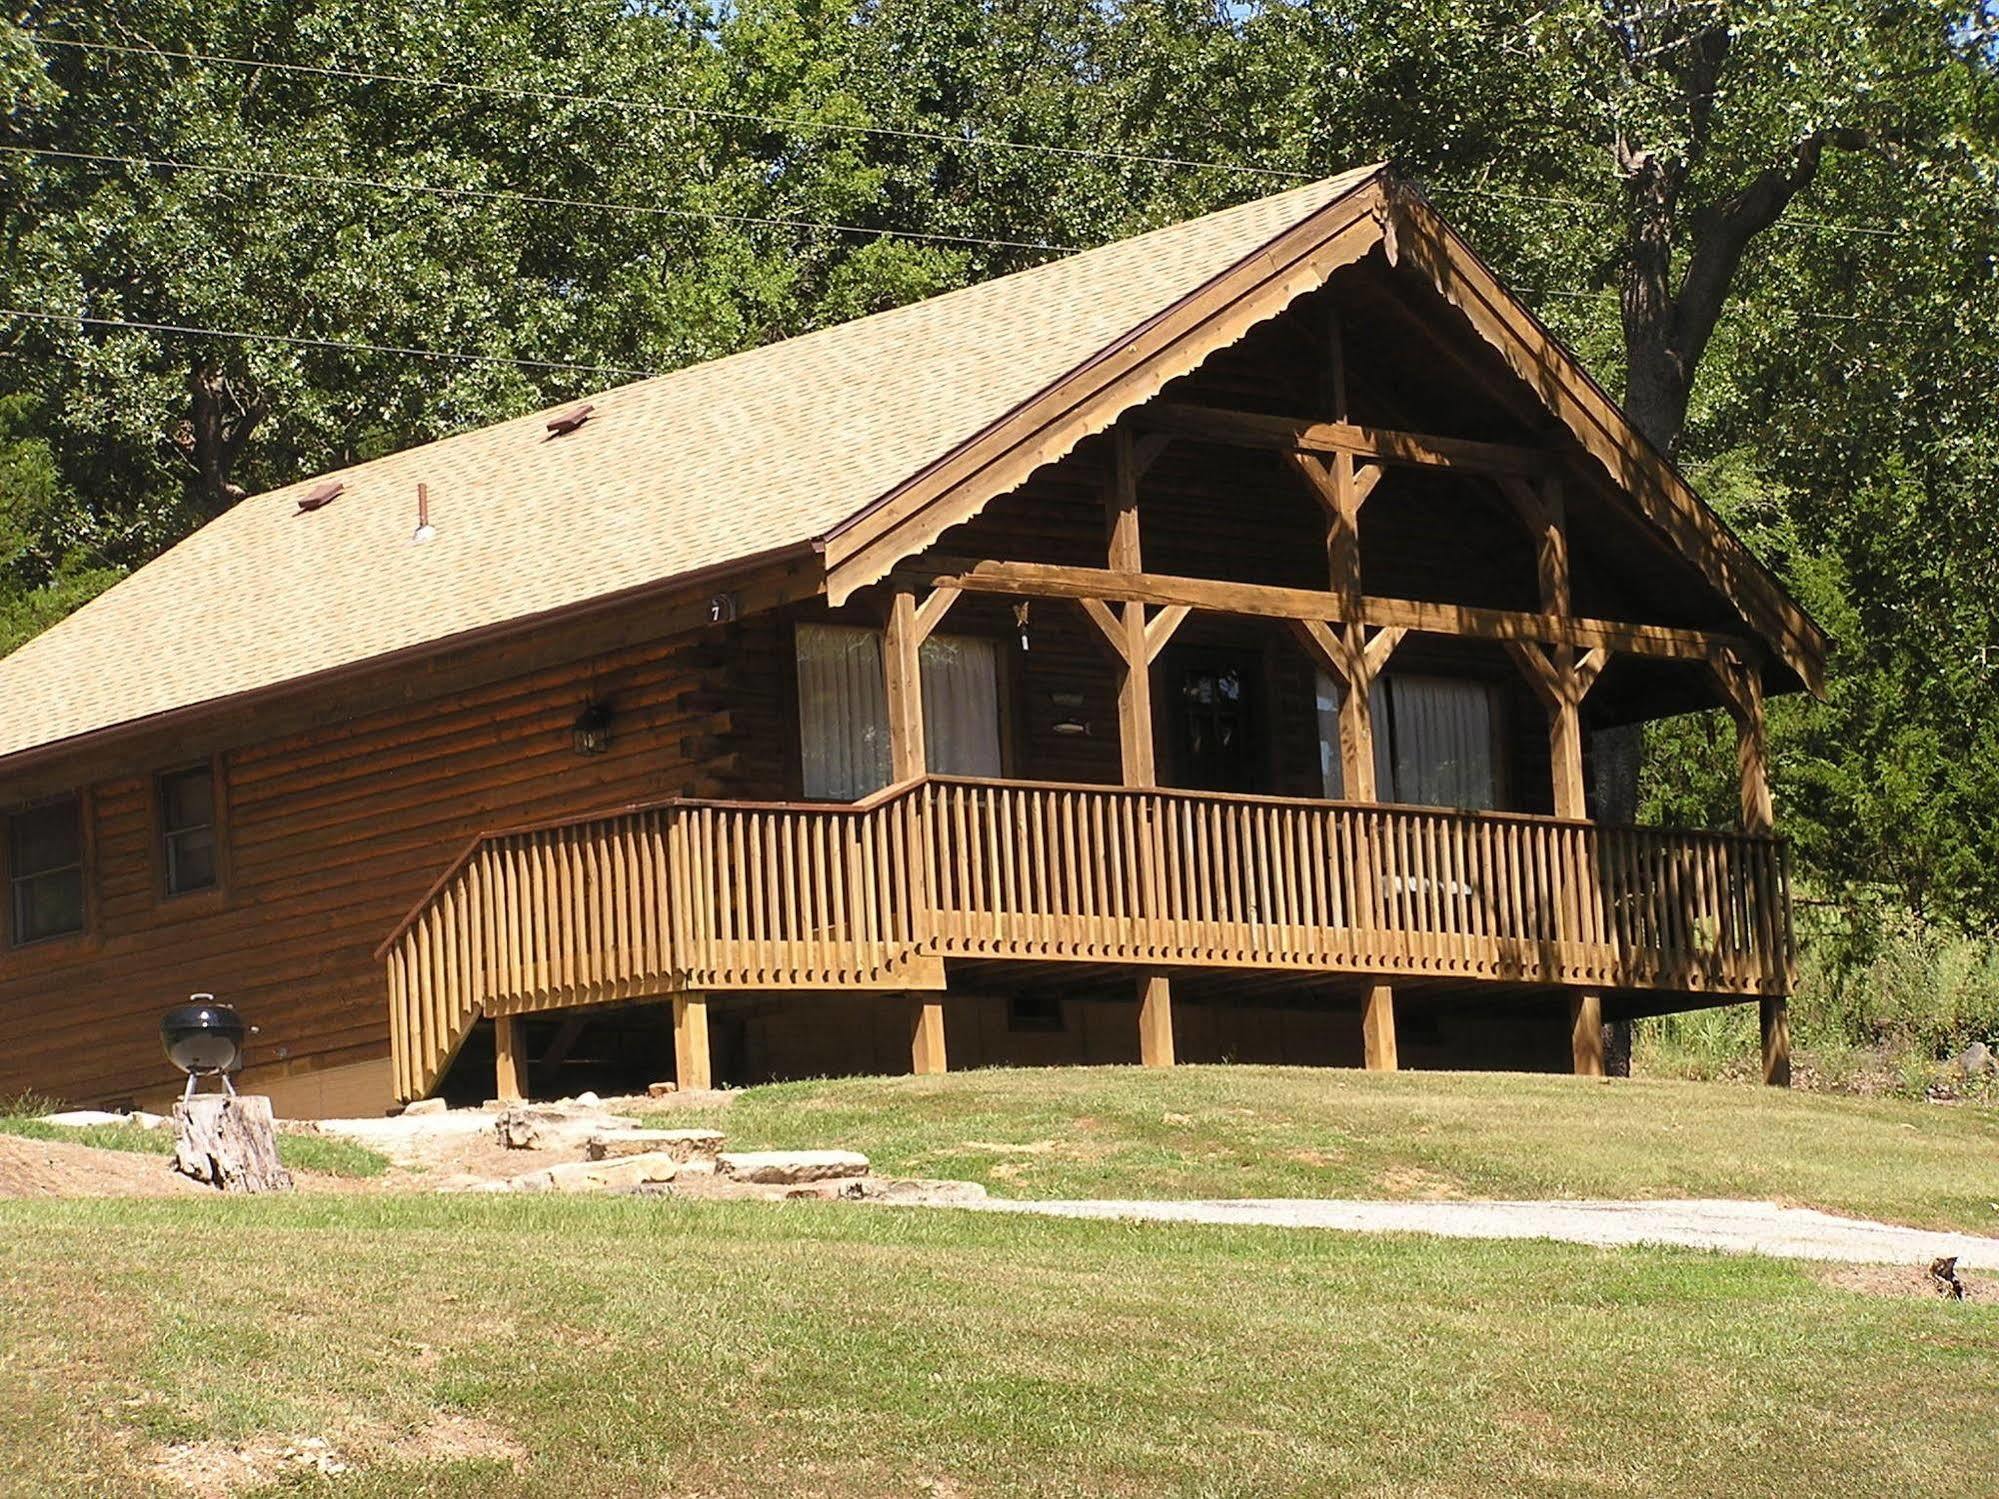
698,896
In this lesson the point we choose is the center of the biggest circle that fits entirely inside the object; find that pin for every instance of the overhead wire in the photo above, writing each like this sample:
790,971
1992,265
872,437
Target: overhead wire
497,195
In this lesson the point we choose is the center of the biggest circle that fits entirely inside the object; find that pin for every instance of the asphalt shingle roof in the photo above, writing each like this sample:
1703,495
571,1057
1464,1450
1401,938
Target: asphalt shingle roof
670,475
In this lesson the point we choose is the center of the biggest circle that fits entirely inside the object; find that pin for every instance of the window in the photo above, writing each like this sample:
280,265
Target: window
187,830
843,709
45,871
1434,741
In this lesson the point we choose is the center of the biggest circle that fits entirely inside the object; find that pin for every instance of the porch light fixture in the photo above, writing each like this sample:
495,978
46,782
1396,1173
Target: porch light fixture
1071,726
1020,621
591,733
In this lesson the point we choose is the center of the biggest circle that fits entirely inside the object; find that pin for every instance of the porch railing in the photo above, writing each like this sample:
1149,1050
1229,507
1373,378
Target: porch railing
699,895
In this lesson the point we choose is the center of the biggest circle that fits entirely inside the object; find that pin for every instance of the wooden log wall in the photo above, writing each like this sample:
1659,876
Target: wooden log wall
332,835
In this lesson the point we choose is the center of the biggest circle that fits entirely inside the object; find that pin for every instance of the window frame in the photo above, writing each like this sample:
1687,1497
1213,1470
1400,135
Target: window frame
163,891
85,864
1006,690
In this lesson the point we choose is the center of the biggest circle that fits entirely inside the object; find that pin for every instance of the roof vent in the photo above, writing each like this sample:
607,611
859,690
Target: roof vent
321,496
424,531
570,420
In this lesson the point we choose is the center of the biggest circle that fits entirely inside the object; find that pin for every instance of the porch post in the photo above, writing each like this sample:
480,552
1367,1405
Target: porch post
1586,1033
926,1040
1741,684
1155,1020
1775,1019
1353,656
1377,1029
902,644
510,1063
1134,713
690,1043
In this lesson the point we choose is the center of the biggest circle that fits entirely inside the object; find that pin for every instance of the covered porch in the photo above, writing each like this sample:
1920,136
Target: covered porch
1252,806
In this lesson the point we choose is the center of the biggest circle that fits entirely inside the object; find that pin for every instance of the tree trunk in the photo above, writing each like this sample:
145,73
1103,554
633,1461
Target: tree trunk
230,1142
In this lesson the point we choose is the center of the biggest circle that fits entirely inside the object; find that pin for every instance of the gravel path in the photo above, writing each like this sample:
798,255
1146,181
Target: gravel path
1737,1227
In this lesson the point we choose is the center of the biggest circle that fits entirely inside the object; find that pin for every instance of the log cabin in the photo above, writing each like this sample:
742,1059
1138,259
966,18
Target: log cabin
1195,648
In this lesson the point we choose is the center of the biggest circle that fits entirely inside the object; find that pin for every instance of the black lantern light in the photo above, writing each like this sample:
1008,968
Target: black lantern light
591,733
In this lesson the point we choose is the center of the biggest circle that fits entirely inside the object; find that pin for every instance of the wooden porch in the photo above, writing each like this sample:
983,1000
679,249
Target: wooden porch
685,898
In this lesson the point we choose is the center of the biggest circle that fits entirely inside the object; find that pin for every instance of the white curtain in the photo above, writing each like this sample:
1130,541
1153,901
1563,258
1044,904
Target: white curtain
1433,741
843,709
961,718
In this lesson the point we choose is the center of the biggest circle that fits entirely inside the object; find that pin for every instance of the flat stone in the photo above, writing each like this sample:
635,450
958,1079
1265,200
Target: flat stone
660,1090
783,1167
623,1175
834,1189
424,1107
917,1190
682,1144
85,1118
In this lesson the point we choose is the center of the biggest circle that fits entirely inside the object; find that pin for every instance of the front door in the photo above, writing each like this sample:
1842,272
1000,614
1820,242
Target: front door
1216,718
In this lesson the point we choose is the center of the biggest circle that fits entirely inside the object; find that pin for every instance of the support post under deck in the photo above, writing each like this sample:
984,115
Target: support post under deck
1377,1028
927,1056
692,1073
1155,1020
1776,1025
510,1062
1586,1033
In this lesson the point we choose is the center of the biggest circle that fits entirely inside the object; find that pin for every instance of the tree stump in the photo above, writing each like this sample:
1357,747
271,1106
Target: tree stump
230,1142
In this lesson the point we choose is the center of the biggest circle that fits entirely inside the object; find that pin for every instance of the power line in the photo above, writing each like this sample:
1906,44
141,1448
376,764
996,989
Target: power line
1789,221
690,111
461,356
534,200
800,122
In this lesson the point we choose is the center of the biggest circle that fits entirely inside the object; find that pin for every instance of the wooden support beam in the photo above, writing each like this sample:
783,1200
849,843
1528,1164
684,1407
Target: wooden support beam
691,1067
1155,1019
1105,619
1159,629
927,1056
1293,434
1561,680
1146,450
1264,601
1776,1027
1586,1033
902,665
1377,1029
930,613
1128,633
1742,688
510,1060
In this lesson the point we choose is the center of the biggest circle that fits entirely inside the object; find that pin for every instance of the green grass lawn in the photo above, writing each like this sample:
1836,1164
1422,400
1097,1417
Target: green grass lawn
321,1153
623,1346
1314,1132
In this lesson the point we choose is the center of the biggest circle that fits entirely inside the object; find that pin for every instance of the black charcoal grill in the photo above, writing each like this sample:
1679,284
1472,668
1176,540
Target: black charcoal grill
204,1039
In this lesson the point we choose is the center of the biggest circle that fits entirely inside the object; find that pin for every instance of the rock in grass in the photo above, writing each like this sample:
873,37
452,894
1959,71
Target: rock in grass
683,1145
623,1175
784,1167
